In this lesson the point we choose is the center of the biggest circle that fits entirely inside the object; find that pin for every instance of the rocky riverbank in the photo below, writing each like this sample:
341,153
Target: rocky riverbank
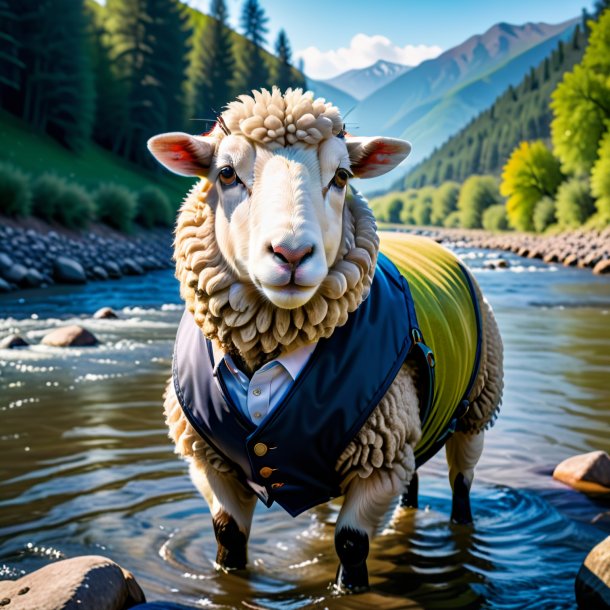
36,255
585,249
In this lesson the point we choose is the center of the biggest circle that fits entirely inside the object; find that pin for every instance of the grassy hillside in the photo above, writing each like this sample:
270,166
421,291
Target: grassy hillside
36,153
520,113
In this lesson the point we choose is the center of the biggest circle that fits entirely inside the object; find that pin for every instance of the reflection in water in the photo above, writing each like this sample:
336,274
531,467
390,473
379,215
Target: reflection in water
86,466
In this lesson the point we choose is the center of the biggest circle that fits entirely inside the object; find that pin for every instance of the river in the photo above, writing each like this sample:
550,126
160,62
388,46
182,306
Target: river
86,466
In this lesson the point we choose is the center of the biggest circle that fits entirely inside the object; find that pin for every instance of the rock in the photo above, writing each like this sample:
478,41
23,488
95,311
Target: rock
90,582
551,257
114,271
70,336
15,274
593,578
68,271
570,260
99,273
589,472
602,267
130,267
105,313
496,263
13,341
5,261
4,286
33,278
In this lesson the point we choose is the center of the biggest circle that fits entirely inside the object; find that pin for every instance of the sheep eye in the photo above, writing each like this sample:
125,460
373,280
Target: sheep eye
340,178
227,176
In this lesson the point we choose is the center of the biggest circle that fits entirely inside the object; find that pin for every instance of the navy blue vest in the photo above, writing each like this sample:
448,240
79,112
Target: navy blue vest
290,457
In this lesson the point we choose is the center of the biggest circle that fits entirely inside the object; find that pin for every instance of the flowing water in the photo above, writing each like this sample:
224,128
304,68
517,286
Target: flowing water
86,466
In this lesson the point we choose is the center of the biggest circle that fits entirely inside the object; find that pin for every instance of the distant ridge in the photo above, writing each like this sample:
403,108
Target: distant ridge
362,82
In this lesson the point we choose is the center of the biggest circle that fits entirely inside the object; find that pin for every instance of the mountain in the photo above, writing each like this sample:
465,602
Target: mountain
362,82
432,101
344,101
520,113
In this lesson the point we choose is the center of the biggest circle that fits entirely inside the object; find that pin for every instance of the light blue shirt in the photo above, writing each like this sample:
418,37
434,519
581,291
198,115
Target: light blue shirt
258,396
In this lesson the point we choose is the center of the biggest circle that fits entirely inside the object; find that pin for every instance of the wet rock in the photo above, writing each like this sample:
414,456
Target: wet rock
33,279
90,582
13,341
4,286
15,274
70,336
602,267
5,261
130,267
105,313
570,260
496,263
593,578
114,271
99,273
589,472
68,271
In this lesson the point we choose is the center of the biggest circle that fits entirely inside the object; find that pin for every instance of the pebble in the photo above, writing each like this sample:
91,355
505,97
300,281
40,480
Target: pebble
105,313
13,341
70,336
589,472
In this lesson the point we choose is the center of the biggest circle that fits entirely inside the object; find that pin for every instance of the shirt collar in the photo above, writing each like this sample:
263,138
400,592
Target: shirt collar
294,361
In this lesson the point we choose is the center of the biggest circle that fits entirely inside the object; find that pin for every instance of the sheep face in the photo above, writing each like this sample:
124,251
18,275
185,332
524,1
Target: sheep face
279,186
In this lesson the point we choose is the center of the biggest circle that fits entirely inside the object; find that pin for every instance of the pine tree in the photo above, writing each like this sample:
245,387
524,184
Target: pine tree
254,73
10,65
55,93
285,75
144,52
213,65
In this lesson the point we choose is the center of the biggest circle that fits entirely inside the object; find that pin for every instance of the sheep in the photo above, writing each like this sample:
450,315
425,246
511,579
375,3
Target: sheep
275,254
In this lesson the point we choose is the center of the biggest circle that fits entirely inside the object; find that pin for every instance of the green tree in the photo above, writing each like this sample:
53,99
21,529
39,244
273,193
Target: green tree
544,214
476,195
11,65
444,202
494,218
581,103
600,179
531,173
422,209
254,73
574,203
54,89
285,75
394,209
213,65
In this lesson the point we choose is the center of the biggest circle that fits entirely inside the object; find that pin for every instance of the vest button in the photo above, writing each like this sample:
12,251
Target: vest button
260,449
266,472
257,391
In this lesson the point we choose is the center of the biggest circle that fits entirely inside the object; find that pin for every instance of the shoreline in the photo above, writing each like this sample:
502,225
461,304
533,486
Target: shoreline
585,249
36,254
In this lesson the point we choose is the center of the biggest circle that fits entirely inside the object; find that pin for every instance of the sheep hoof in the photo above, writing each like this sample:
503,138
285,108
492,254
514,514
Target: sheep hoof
409,498
352,548
352,580
460,508
232,543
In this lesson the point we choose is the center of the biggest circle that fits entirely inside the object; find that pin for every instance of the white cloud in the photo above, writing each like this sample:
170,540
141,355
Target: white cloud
363,51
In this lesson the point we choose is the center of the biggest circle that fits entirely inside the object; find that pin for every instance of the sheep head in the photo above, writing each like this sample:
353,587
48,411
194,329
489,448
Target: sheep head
274,174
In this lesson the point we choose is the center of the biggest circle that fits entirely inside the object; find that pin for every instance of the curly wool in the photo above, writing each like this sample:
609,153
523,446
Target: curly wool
275,120
234,313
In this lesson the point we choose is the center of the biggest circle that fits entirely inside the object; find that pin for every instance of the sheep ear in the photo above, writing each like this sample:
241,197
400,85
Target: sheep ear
182,153
372,157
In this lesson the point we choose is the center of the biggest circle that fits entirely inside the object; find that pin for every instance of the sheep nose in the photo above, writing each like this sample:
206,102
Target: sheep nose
292,256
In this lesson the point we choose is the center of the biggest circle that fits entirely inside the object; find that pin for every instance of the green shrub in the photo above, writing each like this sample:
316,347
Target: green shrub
600,180
476,195
76,208
153,208
15,193
544,214
494,218
47,191
422,208
116,206
453,220
444,202
409,202
574,203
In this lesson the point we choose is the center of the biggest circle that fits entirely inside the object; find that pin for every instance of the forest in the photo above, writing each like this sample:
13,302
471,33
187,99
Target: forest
92,76
537,160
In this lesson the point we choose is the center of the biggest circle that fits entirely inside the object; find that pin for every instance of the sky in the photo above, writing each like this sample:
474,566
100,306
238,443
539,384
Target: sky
332,36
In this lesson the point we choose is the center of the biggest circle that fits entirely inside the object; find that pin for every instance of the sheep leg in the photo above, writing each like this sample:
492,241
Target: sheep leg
463,452
232,507
366,501
409,499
